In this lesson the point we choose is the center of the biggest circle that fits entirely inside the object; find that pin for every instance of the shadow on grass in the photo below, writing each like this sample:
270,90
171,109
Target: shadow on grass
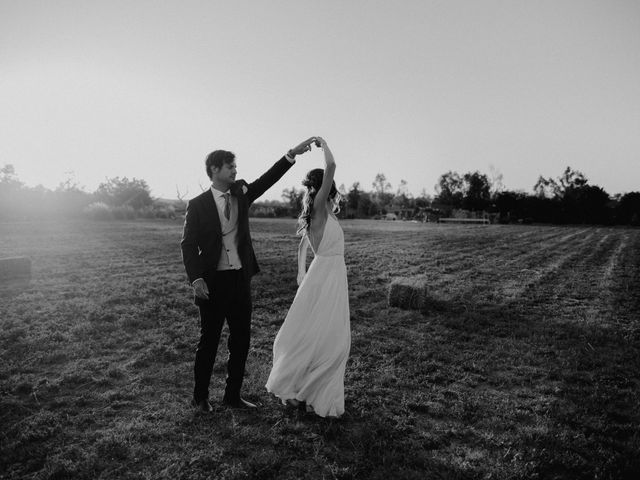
362,445
574,385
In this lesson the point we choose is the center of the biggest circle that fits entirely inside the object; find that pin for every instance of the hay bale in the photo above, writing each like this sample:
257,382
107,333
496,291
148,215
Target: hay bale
15,269
412,293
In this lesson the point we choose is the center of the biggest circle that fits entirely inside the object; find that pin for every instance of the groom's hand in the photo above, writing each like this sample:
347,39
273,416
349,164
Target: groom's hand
302,147
200,289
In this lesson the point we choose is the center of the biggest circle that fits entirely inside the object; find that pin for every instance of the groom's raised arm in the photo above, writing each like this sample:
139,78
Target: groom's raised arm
256,188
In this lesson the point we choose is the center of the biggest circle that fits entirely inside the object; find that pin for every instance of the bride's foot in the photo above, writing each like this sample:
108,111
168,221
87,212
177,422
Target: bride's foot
292,402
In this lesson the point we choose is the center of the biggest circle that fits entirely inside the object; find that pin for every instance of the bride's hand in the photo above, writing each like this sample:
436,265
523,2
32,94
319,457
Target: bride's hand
320,142
300,277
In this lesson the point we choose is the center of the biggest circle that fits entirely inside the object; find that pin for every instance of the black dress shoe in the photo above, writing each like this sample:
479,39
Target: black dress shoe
239,403
202,405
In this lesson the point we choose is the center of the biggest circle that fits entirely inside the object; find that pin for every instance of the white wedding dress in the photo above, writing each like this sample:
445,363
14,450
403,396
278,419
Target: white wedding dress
311,349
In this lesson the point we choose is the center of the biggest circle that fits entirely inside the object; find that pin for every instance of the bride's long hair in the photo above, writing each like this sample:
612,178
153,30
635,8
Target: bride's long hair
313,182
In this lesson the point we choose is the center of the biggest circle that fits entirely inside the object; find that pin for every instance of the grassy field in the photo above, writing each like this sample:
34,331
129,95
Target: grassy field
529,367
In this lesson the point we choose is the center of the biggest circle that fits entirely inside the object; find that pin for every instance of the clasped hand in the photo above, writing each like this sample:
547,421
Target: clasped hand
305,146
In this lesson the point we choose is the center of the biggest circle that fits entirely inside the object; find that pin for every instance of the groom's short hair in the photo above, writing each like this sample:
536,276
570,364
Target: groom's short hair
217,158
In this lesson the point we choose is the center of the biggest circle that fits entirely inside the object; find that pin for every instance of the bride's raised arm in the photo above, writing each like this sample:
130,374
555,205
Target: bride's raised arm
320,202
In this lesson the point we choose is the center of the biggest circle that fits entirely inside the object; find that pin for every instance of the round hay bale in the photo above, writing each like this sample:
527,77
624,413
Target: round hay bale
15,268
411,293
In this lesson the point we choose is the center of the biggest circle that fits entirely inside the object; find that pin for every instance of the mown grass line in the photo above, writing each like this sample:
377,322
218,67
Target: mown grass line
514,269
625,277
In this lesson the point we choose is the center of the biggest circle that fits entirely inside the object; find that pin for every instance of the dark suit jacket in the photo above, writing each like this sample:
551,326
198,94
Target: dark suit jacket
202,235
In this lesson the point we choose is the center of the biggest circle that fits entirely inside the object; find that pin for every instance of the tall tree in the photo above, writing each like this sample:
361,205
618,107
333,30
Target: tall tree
12,193
8,177
403,198
628,209
477,191
381,193
353,199
549,188
450,189
546,188
380,184
571,179
495,181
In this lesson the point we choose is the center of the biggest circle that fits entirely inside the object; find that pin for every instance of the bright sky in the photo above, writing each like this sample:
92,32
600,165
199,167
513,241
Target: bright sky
412,89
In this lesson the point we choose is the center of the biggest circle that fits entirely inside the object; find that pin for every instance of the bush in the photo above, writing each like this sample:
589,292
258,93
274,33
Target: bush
102,211
98,211
158,211
123,212
146,212
164,211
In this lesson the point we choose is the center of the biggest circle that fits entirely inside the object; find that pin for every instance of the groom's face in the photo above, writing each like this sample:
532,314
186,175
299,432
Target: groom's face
225,174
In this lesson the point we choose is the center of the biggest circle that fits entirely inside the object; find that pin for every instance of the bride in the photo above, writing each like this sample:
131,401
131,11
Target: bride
311,349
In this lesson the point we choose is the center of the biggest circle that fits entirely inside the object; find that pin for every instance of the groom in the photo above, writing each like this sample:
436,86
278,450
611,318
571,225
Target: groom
219,260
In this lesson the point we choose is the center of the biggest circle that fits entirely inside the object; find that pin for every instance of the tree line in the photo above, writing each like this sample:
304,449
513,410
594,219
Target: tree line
567,199
115,198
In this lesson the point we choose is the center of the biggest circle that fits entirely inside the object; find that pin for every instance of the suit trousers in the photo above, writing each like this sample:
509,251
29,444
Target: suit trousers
230,300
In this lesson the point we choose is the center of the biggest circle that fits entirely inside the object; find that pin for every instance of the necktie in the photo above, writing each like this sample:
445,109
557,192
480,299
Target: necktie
227,206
